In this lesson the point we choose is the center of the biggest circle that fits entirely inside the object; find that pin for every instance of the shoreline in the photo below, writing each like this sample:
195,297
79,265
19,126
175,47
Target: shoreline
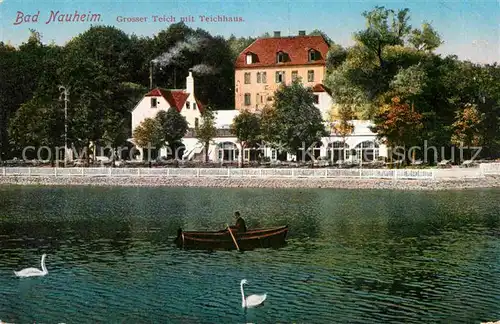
305,183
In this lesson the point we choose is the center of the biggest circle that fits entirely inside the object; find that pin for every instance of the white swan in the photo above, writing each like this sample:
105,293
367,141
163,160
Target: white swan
252,300
32,272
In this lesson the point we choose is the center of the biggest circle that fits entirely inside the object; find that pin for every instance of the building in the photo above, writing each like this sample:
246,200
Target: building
159,99
262,63
269,62
184,100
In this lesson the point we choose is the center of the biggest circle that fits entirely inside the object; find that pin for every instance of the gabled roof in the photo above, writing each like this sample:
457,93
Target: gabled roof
175,98
296,47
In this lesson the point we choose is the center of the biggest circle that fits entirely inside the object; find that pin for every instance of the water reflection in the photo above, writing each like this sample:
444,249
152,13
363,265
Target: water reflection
378,256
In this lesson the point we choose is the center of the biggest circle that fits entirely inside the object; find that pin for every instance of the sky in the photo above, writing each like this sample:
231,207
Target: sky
469,29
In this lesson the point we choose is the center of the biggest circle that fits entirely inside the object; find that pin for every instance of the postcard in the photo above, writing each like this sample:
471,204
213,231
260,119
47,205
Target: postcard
249,161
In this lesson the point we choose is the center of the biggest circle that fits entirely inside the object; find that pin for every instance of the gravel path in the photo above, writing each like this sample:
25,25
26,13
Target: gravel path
341,183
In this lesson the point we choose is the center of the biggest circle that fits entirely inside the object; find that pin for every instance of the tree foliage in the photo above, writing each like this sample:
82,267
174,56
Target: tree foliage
467,128
173,125
206,130
246,128
340,119
397,124
296,123
149,133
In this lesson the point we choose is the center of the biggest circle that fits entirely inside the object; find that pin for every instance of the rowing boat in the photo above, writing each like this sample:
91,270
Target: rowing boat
222,240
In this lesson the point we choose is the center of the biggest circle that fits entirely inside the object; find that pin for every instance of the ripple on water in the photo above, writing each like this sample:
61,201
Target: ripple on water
111,259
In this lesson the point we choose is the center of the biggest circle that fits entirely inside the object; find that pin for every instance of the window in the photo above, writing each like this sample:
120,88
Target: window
316,99
264,77
312,55
187,105
294,75
280,76
247,99
259,78
247,78
273,154
194,106
249,58
280,57
310,76
196,122
257,98
154,102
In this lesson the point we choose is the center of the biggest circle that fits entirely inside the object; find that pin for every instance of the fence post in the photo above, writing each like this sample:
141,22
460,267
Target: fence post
360,176
326,173
83,171
138,172
109,172
55,171
228,172
29,171
395,175
168,172
197,172
293,173
260,173
4,171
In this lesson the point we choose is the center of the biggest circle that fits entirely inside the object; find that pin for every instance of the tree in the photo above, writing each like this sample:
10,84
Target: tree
397,124
426,39
174,127
246,128
206,130
384,28
149,134
38,122
335,57
467,128
298,123
237,45
317,32
341,121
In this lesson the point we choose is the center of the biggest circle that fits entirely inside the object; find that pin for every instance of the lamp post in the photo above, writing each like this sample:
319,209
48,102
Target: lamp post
65,92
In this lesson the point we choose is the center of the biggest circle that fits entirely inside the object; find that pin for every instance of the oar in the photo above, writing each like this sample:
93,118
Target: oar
234,239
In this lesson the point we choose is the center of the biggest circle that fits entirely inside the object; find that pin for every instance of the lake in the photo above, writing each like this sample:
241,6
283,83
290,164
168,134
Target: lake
352,256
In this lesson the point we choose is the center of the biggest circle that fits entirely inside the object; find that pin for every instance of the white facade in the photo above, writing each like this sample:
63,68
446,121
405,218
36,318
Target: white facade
162,99
361,143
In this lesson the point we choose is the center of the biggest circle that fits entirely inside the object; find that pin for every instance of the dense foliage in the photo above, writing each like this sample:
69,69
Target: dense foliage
107,71
392,76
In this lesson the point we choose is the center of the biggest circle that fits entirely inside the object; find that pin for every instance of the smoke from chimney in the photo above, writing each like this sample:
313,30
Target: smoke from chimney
191,44
203,69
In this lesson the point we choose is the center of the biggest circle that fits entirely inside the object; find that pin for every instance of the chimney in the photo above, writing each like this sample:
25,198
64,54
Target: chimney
277,33
190,82
302,33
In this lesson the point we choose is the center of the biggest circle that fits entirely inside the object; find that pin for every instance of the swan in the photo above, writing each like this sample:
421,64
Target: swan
252,300
33,272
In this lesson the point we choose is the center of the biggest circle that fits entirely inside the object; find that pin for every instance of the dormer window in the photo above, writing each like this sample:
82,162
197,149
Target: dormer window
280,57
194,106
249,58
154,102
187,105
312,55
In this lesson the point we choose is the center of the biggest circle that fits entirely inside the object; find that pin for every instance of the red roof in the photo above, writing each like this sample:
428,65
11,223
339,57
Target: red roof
297,48
175,98
321,88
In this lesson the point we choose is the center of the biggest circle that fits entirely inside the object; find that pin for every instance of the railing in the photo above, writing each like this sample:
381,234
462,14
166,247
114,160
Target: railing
490,168
395,174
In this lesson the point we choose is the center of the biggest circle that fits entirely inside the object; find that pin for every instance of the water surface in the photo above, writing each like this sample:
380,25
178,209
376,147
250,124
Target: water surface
353,256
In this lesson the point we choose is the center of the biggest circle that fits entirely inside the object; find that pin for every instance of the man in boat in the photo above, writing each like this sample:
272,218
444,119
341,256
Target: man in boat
240,223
